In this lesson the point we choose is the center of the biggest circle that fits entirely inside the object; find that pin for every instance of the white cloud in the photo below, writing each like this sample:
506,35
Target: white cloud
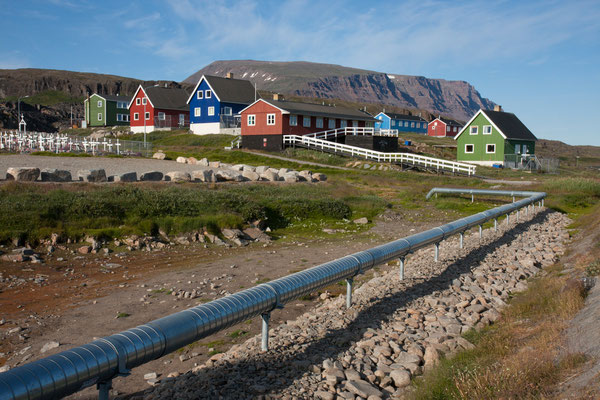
142,23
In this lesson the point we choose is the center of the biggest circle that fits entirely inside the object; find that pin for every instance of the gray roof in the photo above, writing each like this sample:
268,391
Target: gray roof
110,97
168,98
509,124
231,90
450,122
404,117
319,110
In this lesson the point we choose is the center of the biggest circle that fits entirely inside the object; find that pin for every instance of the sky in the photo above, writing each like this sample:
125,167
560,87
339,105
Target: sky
538,59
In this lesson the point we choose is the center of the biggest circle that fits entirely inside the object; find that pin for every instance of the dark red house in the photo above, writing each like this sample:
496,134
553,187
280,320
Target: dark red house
264,122
444,127
158,108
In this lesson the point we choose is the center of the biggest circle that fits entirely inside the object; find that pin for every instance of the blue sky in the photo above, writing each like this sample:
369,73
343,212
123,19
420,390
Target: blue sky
538,59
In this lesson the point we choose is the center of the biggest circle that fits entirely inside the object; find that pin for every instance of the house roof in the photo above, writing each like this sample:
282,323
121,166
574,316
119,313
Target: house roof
404,116
111,97
509,126
448,121
167,98
318,110
228,90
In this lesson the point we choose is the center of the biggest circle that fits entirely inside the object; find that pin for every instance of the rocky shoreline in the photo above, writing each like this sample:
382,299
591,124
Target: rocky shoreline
394,330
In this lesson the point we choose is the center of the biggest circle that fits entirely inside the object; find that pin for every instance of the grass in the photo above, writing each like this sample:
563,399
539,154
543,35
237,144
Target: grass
48,98
123,315
53,154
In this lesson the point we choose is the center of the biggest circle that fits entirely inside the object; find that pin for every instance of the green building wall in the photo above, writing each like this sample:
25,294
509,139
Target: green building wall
108,110
480,142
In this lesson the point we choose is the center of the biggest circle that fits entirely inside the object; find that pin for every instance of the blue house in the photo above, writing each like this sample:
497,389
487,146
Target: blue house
403,123
215,104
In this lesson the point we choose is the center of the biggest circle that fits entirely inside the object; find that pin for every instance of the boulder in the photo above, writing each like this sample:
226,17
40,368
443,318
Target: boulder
151,176
363,389
25,174
269,176
56,175
203,162
229,175
401,377
361,221
192,160
257,234
305,176
126,177
178,176
319,177
204,175
260,170
182,160
92,175
159,155
214,164
250,175
291,177
49,346
238,167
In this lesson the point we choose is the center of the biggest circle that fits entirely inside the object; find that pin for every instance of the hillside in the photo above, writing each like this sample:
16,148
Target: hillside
456,99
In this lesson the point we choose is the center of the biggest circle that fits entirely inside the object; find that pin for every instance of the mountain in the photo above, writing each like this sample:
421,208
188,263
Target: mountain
456,99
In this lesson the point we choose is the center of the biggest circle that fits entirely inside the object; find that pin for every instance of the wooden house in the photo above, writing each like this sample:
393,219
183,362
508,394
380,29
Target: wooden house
106,110
401,122
158,108
444,127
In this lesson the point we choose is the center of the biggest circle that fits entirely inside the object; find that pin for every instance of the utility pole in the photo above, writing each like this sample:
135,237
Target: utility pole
144,101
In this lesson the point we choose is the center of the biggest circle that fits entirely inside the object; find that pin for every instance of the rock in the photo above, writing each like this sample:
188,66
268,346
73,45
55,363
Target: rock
4,368
323,395
203,162
319,177
229,175
401,377
257,234
290,177
261,170
55,175
269,176
431,357
204,175
192,160
214,164
178,176
362,388
151,176
361,221
25,174
159,155
126,177
49,346
181,160
150,375
333,375
84,249
250,175
92,175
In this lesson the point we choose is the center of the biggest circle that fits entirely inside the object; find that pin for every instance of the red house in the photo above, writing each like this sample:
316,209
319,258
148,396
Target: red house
444,127
264,122
158,108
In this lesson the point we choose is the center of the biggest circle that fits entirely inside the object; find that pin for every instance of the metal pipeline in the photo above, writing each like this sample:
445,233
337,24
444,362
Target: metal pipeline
103,359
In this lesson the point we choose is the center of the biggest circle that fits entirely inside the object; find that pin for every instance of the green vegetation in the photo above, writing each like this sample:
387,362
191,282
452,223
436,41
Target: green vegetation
47,98
238,333
52,154
572,195
123,315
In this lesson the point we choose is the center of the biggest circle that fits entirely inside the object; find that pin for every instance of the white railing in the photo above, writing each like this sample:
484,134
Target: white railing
352,131
405,158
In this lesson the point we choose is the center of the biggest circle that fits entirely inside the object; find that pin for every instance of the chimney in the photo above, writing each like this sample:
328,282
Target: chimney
497,107
278,96
229,75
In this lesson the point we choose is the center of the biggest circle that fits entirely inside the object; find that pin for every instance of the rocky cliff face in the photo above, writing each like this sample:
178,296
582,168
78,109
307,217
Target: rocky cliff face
456,99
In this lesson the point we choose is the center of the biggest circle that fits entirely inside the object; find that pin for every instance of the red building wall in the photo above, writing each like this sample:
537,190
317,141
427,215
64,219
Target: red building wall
140,109
440,129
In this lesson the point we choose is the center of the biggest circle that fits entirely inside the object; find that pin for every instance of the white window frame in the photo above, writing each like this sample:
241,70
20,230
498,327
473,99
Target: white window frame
99,103
487,148
525,148
211,111
147,116
200,95
138,101
136,116
406,124
486,127
319,122
447,128
270,119
208,94
472,148
99,116
119,117
304,121
161,116
251,119
293,120
412,124
518,148
144,101
197,111
474,130
331,123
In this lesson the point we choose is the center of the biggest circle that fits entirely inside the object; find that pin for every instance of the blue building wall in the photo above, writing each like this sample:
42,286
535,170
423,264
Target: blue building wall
204,103
400,124
385,121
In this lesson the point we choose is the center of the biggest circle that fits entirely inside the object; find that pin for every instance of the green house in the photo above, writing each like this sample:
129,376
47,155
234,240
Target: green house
106,110
494,137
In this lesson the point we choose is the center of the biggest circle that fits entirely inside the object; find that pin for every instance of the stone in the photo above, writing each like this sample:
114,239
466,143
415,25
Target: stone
269,176
333,375
150,375
291,177
55,175
323,395
250,175
257,234
153,176
178,176
362,388
229,175
203,162
84,249
261,170
92,175
361,221
25,174
126,177
431,357
204,175
181,160
49,346
319,177
401,377
192,160
159,155
214,164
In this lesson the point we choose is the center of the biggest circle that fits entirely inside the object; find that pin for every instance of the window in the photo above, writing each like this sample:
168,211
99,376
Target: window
137,101
474,130
490,148
293,120
487,129
406,124
434,126
524,146
319,122
147,115
270,119
456,129
227,111
306,121
412,124
447,128
343,123
121,104
211,111
123,117
136,116
119,117
517,149
208,94
197,112
200,95
251,120
99,116
469,148
161,116
99,103
331,123
144,101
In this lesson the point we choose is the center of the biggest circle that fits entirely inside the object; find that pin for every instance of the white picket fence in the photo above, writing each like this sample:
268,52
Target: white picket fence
352,131
404,158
